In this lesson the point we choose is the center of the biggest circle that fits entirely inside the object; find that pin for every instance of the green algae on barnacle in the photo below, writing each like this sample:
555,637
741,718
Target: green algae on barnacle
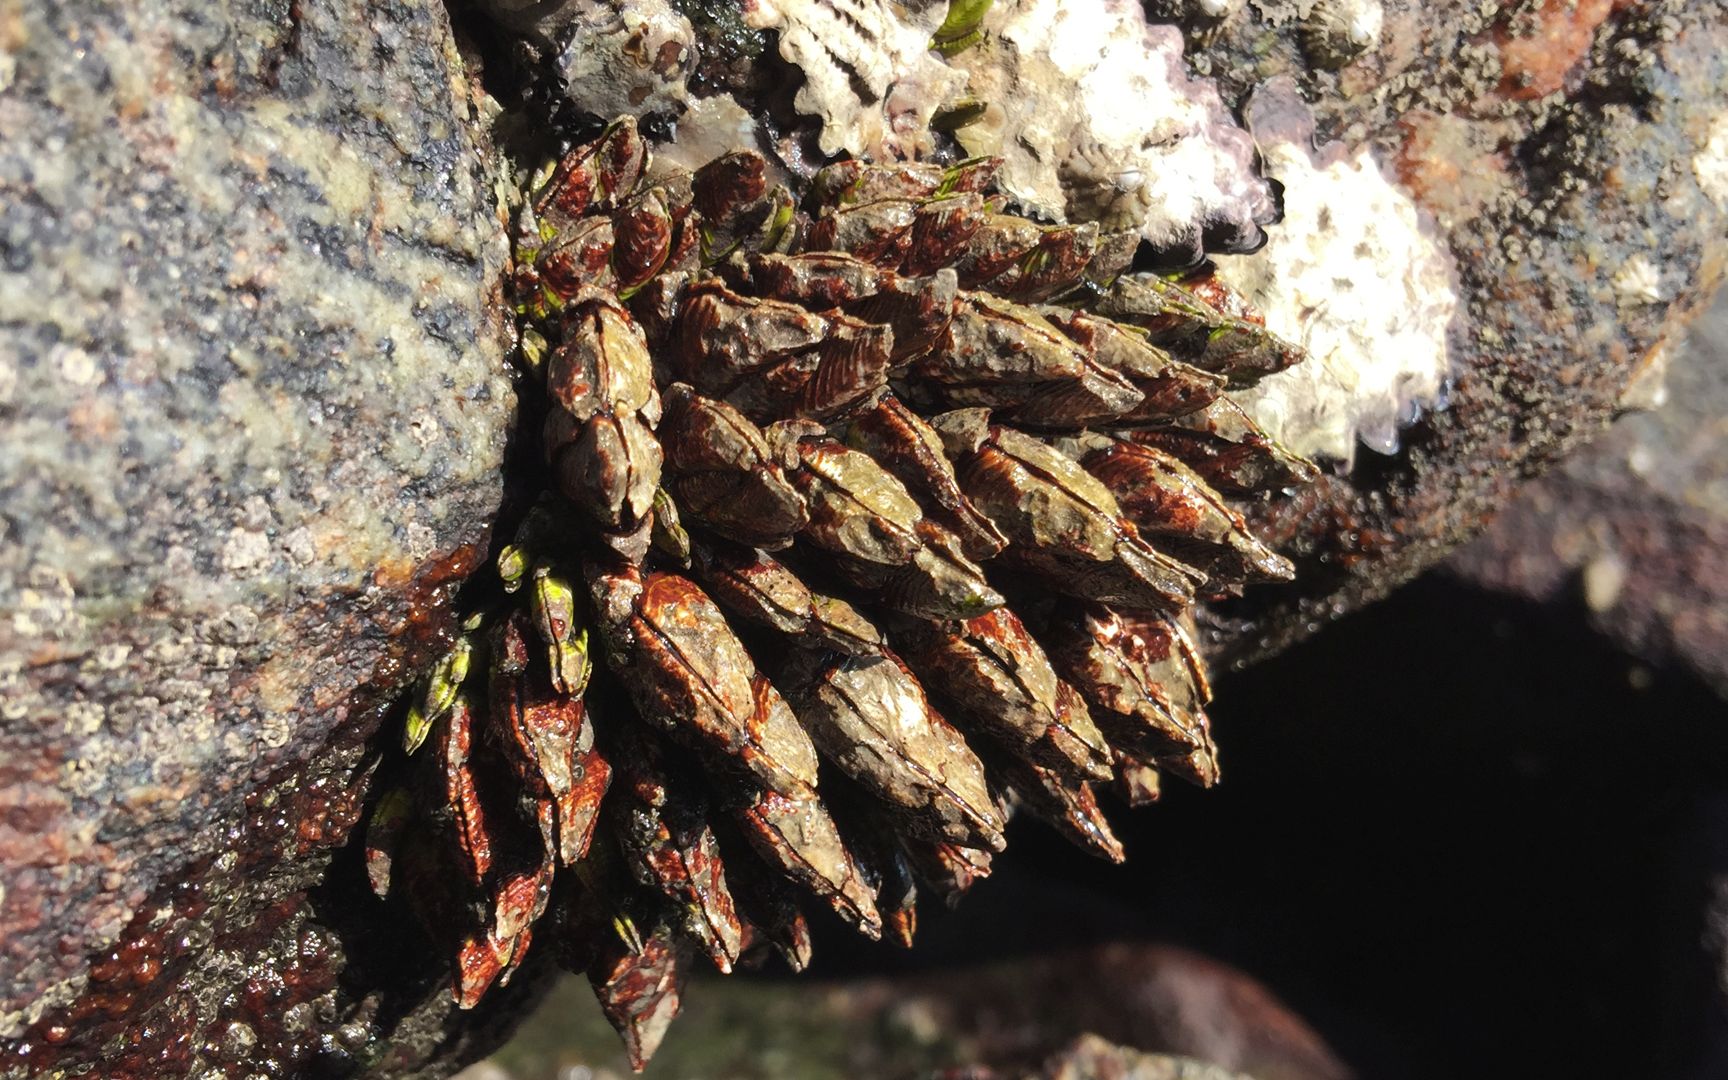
829,578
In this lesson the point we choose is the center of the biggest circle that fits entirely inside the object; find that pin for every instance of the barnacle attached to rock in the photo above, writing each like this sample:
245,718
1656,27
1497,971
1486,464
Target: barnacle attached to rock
874,517
869,73
1096,120
1357,273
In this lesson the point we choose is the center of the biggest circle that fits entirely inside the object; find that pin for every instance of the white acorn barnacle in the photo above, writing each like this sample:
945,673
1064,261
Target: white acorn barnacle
1336,32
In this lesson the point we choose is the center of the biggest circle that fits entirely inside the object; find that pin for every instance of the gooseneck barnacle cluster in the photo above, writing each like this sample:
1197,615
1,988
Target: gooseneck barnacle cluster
874,515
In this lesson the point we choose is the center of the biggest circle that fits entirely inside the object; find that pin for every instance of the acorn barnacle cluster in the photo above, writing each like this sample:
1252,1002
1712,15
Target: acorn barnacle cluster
873,515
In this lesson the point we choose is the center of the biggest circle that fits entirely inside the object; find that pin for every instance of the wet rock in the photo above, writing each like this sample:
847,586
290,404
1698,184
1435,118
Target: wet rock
1632,533
1581,200
252,410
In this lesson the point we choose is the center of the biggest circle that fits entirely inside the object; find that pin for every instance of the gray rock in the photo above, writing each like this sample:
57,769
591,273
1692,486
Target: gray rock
253,402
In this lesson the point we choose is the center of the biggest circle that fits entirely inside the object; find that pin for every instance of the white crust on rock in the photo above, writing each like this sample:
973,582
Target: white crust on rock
1097,120
1356,275
869,74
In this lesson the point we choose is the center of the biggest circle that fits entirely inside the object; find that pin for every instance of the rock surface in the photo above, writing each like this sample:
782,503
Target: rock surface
253,405
1577,185
1633,532
1015,1017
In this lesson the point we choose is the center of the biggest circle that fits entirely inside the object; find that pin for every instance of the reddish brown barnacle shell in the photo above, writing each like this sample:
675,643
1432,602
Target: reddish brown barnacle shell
571,261
1113,256
579,809
1001,241
972,174
1137,782
848,182
1228,450
1165,498
597,174
833,184
863,517
724,473
1145,683
1201,334
729,185
1073,737
640,985
599,432
740,210
1067,805
1171,388
1061,522
1007,356
941,230
1021,259
1000,682
846,368
660,820
519,901
529,717
690,676
644,231
621,158
902,442
721,336
795,835
480,960
878,232
491,953
546,738
656,306
1057,261
870,717
454,742
946,870
919,309
817,280
753,584
1205,284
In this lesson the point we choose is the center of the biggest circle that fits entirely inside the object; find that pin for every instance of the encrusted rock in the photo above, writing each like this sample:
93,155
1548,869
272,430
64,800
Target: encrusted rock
1098,120
252,411
1359,275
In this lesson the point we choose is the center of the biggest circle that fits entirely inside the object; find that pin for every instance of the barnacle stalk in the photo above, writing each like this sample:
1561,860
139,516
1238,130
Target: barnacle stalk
873,519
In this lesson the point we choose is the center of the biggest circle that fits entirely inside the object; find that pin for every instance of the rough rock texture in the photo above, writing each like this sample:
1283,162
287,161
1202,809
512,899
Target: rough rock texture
1634,530
252,411
1570,156
1096,120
